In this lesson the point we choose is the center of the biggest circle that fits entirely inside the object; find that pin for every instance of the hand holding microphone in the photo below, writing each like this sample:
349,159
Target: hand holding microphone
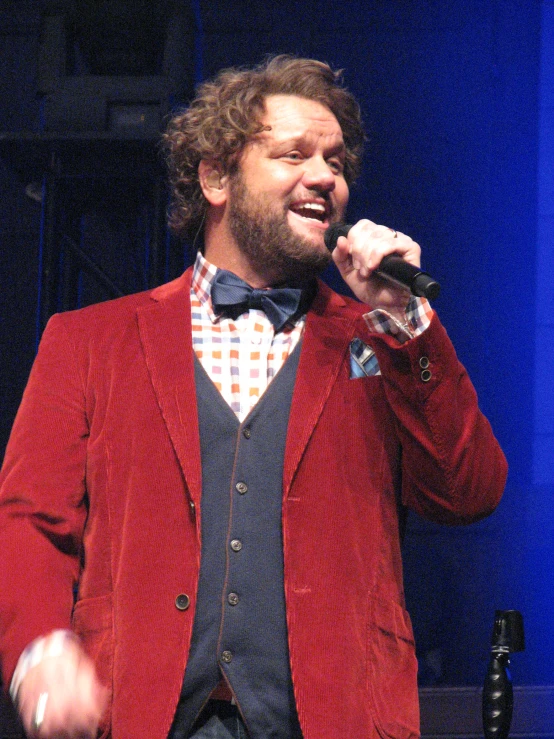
371,242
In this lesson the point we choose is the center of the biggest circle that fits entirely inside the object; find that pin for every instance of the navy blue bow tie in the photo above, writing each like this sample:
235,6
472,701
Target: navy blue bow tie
231,296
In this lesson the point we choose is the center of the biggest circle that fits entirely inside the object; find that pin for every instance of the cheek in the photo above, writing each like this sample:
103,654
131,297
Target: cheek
277,176
270,186
284,182
342,194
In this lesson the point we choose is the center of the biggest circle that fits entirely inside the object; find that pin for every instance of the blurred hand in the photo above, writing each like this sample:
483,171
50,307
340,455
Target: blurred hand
66,691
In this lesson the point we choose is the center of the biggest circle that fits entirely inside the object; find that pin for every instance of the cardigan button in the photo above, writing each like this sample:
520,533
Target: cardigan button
226,656
242,487
247,433
182,602
236,545
233,599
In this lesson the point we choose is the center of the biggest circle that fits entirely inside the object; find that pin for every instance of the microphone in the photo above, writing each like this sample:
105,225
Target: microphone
392,267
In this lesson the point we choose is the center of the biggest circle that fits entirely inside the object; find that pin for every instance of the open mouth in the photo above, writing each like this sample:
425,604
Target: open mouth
316,212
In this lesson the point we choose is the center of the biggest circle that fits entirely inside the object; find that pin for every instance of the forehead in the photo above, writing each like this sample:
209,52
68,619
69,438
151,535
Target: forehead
288,117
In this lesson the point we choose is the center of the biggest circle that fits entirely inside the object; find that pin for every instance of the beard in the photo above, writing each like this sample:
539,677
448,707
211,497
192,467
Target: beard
264,236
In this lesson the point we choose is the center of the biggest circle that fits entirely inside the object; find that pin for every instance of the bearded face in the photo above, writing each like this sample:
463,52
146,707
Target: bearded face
263,234
287,188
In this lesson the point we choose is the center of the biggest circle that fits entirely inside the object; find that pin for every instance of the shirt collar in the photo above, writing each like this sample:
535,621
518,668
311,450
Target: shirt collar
202,277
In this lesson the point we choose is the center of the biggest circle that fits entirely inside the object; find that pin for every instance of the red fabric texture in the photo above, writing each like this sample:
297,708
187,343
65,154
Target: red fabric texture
103,467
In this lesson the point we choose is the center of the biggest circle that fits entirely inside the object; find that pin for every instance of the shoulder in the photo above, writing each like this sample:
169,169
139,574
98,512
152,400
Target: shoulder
103,327
118,312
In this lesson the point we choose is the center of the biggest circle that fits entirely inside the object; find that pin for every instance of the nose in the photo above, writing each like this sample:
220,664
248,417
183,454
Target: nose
318,175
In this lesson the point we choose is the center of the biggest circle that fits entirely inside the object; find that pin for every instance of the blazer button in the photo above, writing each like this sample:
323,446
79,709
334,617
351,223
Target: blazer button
182,602
424,362
426,375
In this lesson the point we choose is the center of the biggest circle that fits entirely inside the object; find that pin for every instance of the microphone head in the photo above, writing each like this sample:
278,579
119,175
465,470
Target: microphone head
332,234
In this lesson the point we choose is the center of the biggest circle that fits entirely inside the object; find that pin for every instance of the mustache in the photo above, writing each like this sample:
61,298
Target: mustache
331,210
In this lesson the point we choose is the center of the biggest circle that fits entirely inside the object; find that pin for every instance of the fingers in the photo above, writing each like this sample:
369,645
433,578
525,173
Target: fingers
359,254
367,243
61,697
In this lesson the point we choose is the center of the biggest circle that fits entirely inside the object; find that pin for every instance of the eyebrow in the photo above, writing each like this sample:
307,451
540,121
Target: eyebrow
299,141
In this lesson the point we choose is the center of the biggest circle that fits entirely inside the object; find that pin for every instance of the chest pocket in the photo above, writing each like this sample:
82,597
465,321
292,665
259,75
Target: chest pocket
363,362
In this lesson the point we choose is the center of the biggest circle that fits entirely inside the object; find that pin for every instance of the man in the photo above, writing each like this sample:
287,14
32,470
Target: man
223,468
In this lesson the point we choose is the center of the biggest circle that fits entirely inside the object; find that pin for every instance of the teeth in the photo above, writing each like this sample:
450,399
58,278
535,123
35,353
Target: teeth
303,209
314,206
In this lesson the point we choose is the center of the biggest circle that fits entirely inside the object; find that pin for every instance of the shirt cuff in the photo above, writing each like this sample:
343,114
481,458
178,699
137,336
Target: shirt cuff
51,645
418,317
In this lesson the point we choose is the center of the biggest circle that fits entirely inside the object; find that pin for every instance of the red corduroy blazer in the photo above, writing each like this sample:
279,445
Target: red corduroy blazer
102,484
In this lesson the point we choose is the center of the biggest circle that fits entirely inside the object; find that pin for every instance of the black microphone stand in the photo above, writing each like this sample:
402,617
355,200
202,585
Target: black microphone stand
498,694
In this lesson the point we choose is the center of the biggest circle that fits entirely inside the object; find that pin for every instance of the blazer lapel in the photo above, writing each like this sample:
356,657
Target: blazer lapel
325,347
165,332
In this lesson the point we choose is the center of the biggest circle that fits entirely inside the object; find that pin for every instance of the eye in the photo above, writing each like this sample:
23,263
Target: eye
336,165
294,156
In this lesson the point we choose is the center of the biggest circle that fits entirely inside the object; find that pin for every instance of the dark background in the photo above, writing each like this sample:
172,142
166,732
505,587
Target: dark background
457,98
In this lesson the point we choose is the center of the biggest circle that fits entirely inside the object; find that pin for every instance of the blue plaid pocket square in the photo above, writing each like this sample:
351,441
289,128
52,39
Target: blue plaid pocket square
363,362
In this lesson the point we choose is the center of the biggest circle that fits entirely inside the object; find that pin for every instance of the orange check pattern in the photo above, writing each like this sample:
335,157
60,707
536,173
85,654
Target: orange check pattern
240,356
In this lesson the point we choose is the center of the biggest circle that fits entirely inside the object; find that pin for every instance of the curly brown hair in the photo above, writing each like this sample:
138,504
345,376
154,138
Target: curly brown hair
225,114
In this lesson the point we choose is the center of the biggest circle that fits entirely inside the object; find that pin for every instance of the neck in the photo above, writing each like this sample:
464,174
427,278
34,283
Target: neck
221,250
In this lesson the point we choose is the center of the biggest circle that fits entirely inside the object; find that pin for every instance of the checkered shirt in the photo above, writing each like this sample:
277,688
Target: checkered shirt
418,318
241,356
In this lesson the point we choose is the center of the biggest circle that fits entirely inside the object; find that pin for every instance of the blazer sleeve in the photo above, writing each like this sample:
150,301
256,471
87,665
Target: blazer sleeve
453,469
43,500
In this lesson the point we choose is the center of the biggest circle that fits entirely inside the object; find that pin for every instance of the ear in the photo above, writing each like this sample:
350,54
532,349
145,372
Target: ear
213,182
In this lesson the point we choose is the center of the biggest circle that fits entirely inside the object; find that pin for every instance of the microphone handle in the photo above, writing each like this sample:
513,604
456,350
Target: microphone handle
392,267
401,272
